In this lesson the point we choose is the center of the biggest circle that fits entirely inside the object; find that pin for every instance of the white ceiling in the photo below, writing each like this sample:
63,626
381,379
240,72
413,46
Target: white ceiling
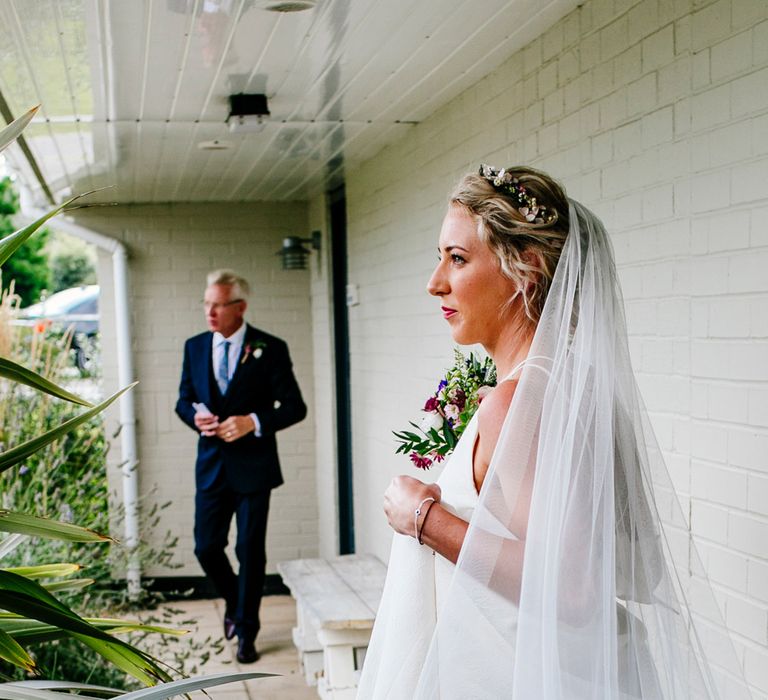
129,88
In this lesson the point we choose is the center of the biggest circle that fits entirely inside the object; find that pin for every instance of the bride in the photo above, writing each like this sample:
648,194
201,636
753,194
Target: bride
551,560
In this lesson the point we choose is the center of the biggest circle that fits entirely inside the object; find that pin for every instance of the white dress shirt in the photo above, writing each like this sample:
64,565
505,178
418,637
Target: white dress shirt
235,349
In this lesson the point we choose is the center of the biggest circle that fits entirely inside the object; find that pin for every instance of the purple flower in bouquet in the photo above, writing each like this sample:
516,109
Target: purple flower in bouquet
448,411
420,462
458,398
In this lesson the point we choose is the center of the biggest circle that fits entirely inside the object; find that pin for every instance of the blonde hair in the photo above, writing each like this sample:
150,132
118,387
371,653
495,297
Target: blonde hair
240,287
528,252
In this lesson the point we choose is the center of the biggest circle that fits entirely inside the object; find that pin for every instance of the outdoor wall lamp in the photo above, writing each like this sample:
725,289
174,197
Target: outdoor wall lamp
294,254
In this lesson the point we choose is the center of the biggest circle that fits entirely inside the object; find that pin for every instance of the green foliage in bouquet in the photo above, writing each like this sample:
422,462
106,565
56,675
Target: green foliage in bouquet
448,411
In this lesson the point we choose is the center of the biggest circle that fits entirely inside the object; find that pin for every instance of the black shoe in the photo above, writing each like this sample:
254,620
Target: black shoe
229,627
246,652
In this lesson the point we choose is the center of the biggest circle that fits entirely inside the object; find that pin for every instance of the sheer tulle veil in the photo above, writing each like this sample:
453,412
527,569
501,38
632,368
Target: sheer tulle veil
602,595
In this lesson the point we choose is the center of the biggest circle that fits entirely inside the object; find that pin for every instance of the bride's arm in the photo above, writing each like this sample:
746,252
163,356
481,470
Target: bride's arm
441,530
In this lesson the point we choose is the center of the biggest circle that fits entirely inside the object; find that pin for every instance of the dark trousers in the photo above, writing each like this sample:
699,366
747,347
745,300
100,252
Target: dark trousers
214,508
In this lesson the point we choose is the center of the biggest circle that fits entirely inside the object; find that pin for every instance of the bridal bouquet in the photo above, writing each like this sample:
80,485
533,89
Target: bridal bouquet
448,411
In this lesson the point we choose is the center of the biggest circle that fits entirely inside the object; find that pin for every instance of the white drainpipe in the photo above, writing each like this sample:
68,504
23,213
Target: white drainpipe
125,376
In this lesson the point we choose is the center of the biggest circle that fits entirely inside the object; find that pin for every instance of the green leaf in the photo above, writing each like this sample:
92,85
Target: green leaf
45,570
11,132
21,452
14,653
16,691
50,529
74,584
52,687
10,543
15,372
187,685
47,690
34,631
125,657
28,598
11,243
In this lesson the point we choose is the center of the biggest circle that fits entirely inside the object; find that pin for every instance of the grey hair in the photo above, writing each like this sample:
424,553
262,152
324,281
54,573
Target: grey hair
240,287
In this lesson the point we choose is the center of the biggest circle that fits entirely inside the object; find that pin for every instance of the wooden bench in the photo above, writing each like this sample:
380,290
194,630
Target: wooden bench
336,603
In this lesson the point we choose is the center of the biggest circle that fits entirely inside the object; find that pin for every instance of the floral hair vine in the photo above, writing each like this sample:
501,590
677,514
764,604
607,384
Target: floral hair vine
509,185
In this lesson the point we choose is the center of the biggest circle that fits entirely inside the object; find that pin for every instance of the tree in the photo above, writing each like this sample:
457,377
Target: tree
28,268
71,269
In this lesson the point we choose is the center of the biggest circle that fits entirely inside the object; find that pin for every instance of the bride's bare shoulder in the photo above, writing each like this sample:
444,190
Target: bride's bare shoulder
490,418
493,409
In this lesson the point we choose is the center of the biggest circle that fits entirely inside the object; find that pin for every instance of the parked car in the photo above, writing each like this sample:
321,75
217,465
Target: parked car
78,308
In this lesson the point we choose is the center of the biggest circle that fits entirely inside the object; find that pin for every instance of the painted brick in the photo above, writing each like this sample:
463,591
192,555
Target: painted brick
711,24
732,56
748,534
727,319
643,19
710,522
709,442
748,448
744,617
757,492
748,180
658,49
758,404
709,192
657,122
746,13
757,579
748,94
727,487
746,271
727,568
760,43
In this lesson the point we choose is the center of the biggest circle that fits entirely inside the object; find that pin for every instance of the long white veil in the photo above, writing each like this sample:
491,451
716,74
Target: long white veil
607,597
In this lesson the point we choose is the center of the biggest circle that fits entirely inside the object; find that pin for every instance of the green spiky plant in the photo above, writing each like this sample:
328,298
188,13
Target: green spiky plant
29,611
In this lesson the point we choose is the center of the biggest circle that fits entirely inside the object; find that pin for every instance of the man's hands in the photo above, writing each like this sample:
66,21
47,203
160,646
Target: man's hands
233,428
206,423
401,499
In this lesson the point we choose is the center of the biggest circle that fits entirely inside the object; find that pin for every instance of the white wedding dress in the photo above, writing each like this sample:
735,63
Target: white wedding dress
417,585
416,589
598,608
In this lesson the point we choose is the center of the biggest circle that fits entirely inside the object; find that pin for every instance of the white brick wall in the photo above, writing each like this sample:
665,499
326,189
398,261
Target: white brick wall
655,114
171,248
325,388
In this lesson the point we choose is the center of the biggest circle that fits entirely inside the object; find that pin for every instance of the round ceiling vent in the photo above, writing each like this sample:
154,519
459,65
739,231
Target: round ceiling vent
215,145
287,5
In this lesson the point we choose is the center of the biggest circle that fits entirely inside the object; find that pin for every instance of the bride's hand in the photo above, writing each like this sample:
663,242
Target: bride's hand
401,499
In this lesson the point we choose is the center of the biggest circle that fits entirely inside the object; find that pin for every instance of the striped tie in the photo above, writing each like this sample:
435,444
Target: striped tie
223,379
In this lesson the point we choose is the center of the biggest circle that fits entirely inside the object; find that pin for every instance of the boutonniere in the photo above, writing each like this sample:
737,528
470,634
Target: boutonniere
256,349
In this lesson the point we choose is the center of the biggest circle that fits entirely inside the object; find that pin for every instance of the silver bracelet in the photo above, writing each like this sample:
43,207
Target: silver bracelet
416,514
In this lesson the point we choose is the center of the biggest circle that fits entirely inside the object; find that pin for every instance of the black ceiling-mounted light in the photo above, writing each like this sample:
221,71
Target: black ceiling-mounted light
247,112
294,254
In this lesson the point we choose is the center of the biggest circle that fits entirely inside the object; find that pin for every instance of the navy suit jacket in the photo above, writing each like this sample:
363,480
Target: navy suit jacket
263,383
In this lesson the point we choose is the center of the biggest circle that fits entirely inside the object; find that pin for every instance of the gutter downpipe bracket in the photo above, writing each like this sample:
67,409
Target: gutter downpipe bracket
125,376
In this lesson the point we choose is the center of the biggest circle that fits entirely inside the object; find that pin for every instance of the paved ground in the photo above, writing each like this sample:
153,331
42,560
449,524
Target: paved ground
278,655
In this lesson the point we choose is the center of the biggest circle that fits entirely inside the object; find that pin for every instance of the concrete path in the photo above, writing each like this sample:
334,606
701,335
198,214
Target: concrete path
278,655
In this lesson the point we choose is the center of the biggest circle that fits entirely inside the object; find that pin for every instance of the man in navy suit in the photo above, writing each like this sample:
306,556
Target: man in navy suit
237,390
